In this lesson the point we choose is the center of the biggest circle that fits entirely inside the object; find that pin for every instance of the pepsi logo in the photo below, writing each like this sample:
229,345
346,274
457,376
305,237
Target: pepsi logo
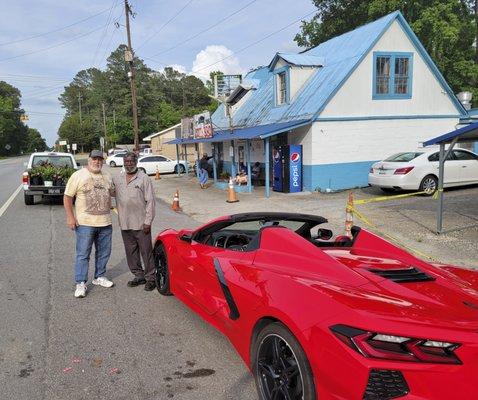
295,157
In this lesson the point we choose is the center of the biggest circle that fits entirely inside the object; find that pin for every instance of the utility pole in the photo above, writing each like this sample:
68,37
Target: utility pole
79,104
104,118
129,57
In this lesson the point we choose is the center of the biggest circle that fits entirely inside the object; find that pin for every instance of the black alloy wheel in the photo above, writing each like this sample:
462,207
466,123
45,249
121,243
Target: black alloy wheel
112,164
162,271
429,185
182,170
280,367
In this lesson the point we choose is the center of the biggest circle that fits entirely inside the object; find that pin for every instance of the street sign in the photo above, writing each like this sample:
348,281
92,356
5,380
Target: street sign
73,146
102,141
68,147
62,142
7,147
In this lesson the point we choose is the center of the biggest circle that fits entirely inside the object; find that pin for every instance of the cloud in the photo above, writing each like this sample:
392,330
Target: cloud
215,58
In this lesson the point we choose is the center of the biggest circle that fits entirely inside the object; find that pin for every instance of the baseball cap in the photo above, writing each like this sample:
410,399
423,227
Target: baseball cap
96,153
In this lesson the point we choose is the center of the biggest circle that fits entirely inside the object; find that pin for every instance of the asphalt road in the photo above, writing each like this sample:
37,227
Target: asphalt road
117,343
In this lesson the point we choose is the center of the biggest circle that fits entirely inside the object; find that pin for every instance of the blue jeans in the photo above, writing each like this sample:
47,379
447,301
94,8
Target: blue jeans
85,237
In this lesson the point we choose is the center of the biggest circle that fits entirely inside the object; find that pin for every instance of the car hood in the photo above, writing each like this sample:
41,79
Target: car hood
428,296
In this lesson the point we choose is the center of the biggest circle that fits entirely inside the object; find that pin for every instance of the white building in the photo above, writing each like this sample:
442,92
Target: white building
349,102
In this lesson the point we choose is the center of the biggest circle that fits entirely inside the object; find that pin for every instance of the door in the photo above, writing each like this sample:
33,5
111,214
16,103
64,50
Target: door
451,169
163,164
468,164
201,281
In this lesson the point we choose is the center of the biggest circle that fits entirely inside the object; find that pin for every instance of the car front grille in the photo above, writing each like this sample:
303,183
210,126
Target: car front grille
385,384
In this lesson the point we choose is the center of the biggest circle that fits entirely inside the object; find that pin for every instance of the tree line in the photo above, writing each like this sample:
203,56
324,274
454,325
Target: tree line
448,29
15,136
100,100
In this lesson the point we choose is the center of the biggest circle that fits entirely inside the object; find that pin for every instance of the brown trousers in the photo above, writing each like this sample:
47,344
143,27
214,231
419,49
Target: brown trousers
136,242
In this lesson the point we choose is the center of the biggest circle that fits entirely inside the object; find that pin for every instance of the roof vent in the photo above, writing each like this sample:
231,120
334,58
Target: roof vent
403,275
465,99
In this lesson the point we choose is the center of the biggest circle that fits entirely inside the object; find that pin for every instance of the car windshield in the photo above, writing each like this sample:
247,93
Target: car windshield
403,157
57,161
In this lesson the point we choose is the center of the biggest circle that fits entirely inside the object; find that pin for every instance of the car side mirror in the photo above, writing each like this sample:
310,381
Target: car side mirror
186,237
324,234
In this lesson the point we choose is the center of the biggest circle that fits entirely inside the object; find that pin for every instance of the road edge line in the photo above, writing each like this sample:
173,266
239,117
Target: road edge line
9,201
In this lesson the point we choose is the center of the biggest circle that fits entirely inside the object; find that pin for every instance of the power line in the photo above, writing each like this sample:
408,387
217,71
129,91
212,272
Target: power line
53,31
205,30
45,77
108,46
108,21
248,46
56,45
165,24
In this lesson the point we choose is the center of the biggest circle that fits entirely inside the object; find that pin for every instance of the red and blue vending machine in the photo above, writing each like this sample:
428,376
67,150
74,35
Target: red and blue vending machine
287,168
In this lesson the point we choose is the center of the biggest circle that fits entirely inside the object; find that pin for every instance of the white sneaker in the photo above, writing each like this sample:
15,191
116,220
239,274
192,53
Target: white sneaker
102,281
80,289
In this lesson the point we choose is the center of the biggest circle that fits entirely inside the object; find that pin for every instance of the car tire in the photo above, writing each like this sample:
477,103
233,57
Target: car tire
182,170
161,270
112,164
29,199
290,366
429,185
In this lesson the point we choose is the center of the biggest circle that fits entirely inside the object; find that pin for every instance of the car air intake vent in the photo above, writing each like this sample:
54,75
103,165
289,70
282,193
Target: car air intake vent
402,275
385,385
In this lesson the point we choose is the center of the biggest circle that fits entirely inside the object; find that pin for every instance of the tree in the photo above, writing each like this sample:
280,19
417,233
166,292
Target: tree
35,142
446,28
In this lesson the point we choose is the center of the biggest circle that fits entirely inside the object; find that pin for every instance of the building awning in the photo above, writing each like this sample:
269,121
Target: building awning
254,132
468,133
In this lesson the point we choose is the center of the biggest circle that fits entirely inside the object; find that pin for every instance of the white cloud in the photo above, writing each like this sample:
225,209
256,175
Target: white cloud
215,58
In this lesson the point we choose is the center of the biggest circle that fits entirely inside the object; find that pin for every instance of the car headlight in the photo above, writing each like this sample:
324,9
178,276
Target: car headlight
397,348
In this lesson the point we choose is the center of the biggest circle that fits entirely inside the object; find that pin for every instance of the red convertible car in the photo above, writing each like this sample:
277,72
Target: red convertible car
318,317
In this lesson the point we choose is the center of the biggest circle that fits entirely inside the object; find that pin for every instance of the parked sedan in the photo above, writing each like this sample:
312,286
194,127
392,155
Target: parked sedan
152,163
116,160
419,171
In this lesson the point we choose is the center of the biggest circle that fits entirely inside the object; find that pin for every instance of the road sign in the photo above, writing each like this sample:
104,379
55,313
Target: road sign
73,146
7,147
62,142
102,141
68,147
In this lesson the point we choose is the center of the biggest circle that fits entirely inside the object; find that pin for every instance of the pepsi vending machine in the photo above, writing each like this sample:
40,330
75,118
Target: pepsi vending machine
287,170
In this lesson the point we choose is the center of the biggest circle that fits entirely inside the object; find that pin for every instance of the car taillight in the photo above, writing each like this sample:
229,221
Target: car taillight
396,348
25,178
403,171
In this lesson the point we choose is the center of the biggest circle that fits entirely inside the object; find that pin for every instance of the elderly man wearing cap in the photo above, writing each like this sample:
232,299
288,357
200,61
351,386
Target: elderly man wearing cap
91,220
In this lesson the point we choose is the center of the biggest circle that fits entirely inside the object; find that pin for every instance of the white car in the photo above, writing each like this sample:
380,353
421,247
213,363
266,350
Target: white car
151,164
116,160
418,170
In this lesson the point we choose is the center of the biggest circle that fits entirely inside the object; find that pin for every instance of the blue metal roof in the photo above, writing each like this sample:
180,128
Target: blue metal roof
342,54
261,132
304,60
468,133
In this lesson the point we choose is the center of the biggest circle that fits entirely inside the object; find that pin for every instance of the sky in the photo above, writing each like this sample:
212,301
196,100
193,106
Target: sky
44,43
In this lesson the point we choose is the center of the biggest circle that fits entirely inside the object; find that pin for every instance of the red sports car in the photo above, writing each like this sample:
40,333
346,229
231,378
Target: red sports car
318,317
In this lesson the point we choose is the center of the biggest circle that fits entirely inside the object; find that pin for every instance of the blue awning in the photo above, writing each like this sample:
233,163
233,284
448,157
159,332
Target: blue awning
254,132
468,133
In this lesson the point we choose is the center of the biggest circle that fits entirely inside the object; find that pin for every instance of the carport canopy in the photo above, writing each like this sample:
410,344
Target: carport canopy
467,133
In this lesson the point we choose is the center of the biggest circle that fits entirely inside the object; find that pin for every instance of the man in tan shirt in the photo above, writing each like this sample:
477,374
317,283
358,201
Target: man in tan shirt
136,209
91,220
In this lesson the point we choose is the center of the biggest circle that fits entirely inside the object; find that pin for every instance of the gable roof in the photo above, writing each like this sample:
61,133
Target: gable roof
171,128
342,55
301,60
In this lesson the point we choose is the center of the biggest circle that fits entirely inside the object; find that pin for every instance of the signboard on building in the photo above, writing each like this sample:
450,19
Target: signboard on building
62,142
187,128
203,126
225,84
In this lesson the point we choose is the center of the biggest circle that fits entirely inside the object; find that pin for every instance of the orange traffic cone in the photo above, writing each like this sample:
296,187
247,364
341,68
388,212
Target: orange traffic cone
349,216
231,193
175,205
157,175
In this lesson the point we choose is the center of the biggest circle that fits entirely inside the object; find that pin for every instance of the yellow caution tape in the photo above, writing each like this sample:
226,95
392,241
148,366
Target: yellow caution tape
386,198
367,222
